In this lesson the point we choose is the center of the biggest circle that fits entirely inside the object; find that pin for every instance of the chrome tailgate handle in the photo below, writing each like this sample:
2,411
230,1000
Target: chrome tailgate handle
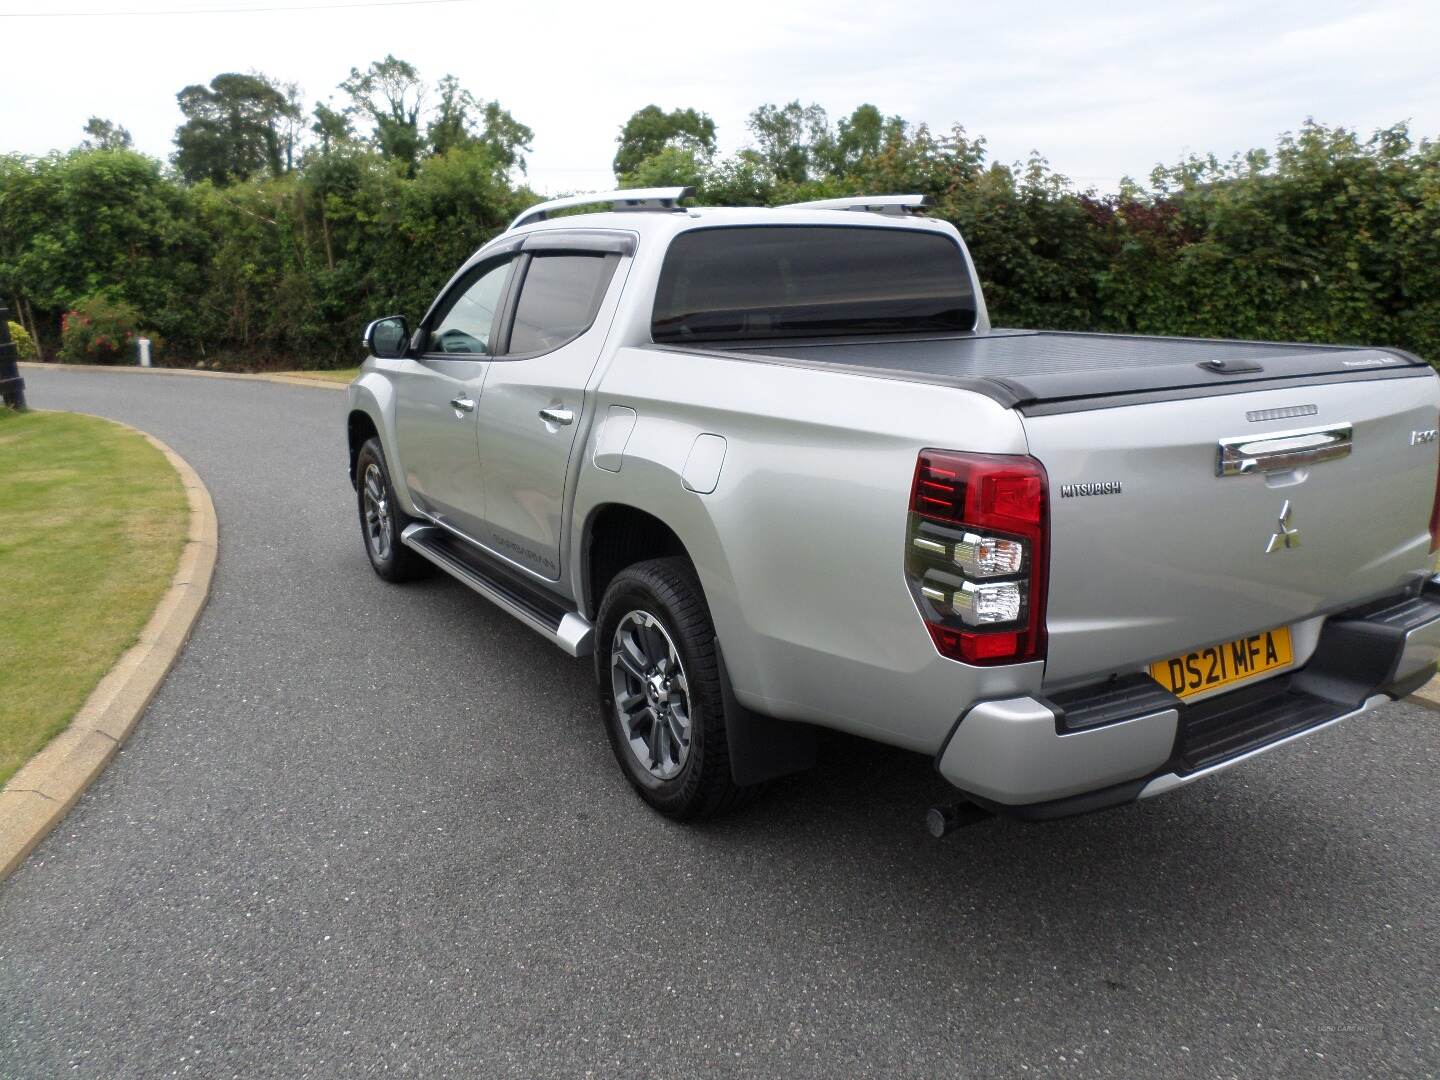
1280,451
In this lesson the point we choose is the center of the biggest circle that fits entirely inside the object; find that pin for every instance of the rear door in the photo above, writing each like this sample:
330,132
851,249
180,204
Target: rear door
563,301
1181,524
438,394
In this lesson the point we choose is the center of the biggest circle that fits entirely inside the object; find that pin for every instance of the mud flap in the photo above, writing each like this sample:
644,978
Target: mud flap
761,747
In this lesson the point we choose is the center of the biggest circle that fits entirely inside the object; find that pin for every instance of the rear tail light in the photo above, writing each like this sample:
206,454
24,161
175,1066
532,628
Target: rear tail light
1435,518
975,554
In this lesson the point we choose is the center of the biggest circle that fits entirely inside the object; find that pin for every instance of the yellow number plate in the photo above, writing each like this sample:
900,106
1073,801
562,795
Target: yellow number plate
1221,665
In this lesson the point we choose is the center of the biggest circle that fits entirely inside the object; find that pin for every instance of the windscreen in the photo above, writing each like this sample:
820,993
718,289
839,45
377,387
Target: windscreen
788,281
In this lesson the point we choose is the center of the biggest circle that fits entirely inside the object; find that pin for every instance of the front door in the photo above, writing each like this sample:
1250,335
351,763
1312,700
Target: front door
535,398
438,394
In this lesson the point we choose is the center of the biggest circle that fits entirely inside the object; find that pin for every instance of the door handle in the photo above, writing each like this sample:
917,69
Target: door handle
463,404
1279,451
557,416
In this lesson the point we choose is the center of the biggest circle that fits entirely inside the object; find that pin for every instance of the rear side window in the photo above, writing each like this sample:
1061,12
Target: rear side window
780,281
559,299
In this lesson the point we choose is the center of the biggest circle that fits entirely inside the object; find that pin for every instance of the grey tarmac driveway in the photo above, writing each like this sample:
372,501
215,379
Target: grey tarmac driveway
368,829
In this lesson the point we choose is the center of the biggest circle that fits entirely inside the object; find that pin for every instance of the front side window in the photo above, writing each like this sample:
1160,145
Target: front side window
789,281
467,324
558,299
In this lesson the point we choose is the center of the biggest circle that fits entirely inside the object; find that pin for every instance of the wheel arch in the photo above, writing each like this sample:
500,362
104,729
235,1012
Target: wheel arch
359,426
645,511
617,535
371,414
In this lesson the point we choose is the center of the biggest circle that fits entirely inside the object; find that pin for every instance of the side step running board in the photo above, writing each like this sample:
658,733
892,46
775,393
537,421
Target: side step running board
532,605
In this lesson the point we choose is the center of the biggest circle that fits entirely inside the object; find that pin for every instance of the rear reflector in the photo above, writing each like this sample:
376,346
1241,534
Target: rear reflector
975,554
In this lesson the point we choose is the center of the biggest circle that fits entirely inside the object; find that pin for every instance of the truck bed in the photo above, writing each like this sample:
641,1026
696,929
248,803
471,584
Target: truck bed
1040,372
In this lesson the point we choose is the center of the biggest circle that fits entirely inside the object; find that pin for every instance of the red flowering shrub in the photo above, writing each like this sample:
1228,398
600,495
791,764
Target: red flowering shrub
99,330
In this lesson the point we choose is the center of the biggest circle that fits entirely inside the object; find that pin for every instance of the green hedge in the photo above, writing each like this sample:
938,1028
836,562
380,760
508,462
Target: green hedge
280,272
1330,238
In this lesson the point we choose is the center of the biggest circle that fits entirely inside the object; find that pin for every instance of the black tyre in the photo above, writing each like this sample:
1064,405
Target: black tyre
660,693
381,519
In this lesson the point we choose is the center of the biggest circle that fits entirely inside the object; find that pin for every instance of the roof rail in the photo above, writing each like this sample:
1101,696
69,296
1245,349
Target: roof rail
654,198
875,204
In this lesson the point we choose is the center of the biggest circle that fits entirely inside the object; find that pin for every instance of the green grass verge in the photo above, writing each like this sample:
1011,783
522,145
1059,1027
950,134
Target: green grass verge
94,520
341,375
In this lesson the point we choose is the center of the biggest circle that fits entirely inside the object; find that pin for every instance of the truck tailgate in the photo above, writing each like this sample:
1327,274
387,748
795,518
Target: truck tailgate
1157,550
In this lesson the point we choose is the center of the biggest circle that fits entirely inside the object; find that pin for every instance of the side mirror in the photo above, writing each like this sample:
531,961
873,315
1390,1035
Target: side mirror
387,338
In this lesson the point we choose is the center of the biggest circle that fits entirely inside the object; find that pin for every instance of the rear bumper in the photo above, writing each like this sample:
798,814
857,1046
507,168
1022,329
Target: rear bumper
1128,738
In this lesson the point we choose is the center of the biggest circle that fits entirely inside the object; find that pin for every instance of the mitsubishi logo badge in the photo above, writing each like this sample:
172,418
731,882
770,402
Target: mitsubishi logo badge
1287,537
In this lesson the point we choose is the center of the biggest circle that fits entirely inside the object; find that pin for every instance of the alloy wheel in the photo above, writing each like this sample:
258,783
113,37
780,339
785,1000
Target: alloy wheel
378,527
652,695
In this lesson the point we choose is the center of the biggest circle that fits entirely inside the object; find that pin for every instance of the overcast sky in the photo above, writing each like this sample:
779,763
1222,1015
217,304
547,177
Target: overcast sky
1102,90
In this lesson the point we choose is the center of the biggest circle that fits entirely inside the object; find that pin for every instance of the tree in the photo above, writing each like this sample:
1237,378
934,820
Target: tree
389,93
330,127
292,123
787,136
670,167
462,120
858,140
236,127
454,121
391,96
105,135
651,130
505,137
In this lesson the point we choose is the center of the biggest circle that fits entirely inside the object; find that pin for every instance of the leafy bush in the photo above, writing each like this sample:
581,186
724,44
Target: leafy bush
1330,237
98,330
24,344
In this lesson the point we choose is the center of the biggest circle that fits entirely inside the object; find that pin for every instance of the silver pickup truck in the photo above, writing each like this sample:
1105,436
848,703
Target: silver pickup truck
776,471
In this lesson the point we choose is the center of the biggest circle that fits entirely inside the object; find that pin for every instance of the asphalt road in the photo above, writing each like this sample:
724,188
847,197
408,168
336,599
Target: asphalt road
461,883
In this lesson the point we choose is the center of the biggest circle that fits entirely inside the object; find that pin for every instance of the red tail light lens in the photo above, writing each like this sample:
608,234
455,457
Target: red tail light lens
1435,518
976,554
